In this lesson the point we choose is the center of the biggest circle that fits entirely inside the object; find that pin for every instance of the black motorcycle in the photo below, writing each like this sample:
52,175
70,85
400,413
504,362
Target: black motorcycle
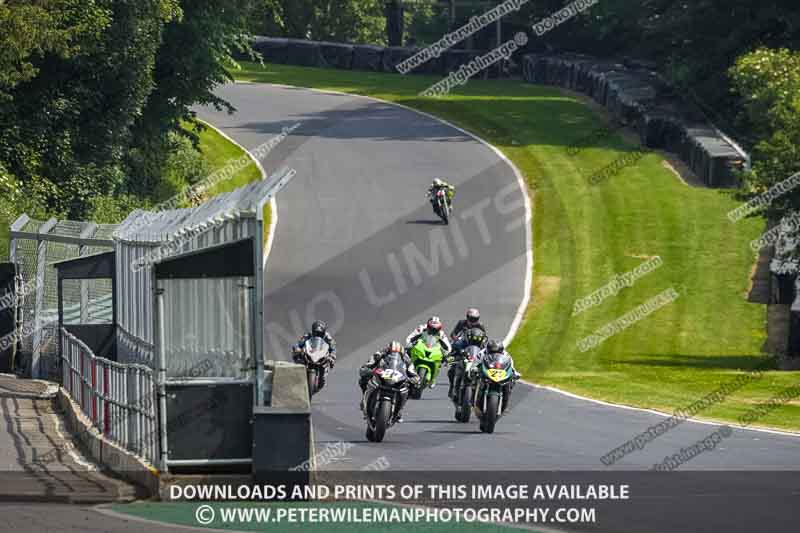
462,383
389,380
493,373
441,205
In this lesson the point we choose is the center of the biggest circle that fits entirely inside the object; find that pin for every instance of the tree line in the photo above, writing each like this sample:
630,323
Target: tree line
736,59
96,95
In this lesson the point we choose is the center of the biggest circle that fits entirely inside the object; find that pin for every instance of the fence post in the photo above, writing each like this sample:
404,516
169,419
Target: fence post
162,374
106,411
41,264
94,391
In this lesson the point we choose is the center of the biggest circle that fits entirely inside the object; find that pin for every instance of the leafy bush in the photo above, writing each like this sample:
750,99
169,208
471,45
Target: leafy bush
769,83
114,209
183,166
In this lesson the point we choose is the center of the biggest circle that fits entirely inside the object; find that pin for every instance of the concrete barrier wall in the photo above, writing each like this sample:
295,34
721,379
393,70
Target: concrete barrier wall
104,452
635,96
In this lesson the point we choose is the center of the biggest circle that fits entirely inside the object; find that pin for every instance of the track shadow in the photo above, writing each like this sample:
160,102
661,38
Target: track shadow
430,422
426,222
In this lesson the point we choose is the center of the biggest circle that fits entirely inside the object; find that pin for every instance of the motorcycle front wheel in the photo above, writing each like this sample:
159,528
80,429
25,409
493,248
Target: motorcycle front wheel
417,391
466,408
312,382
382,415
444,212
490,415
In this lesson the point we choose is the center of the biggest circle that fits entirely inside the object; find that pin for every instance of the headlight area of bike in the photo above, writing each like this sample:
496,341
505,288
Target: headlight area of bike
389,375
495,371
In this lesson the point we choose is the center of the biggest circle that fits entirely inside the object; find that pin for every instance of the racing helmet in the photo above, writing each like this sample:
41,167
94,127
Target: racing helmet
434,325
495,347
319,328
476,336
395,347
473,315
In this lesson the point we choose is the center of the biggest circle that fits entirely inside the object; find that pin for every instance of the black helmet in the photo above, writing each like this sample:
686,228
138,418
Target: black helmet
476,336
495,347
319,328
473,315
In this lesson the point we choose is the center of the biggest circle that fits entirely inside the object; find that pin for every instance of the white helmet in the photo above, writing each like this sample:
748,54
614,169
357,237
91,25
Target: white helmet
437,182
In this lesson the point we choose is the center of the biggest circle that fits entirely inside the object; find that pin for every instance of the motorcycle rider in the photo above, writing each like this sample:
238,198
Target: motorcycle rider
437,185
473,337
472,320
318,329
433,327
496,347
365,373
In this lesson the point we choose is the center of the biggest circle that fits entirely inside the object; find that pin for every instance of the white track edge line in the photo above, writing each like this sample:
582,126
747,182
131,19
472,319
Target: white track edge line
517,321
273,205
528,282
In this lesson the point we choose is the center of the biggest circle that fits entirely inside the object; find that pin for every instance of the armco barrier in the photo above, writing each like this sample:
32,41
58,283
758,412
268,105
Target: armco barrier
301,52
636,96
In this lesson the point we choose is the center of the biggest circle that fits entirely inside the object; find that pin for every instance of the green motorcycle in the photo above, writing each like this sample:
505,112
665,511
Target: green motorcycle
427,356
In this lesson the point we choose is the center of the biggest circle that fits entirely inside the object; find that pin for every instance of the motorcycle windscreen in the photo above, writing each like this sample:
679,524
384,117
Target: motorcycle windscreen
472,352
393,368
317,349
429,340
497,360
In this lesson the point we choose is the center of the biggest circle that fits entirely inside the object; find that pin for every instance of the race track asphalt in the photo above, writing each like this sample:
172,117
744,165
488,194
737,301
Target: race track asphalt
358,246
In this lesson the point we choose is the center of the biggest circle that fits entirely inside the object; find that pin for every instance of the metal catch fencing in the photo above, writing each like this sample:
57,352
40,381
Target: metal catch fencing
35,246
120,399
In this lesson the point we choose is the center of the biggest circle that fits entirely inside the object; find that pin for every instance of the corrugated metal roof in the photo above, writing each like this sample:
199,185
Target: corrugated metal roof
154,227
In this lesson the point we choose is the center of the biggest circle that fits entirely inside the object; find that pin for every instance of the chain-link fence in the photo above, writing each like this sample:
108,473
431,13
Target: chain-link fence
176,302
35,246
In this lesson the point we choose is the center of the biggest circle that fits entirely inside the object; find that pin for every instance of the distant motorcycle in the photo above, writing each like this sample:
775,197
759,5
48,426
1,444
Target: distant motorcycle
389,380
462,383
441,206
316,356
492,374
427,356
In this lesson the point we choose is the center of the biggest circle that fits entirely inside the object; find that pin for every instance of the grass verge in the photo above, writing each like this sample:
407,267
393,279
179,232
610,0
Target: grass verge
219,151
585,234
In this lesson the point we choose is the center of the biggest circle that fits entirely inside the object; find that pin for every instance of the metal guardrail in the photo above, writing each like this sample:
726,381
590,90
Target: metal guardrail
120,399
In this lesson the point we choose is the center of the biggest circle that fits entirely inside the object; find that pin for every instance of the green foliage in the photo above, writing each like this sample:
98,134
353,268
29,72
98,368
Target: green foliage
357,21
768,82
71,105
51,26
184,166
113,209
93,93
15,199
